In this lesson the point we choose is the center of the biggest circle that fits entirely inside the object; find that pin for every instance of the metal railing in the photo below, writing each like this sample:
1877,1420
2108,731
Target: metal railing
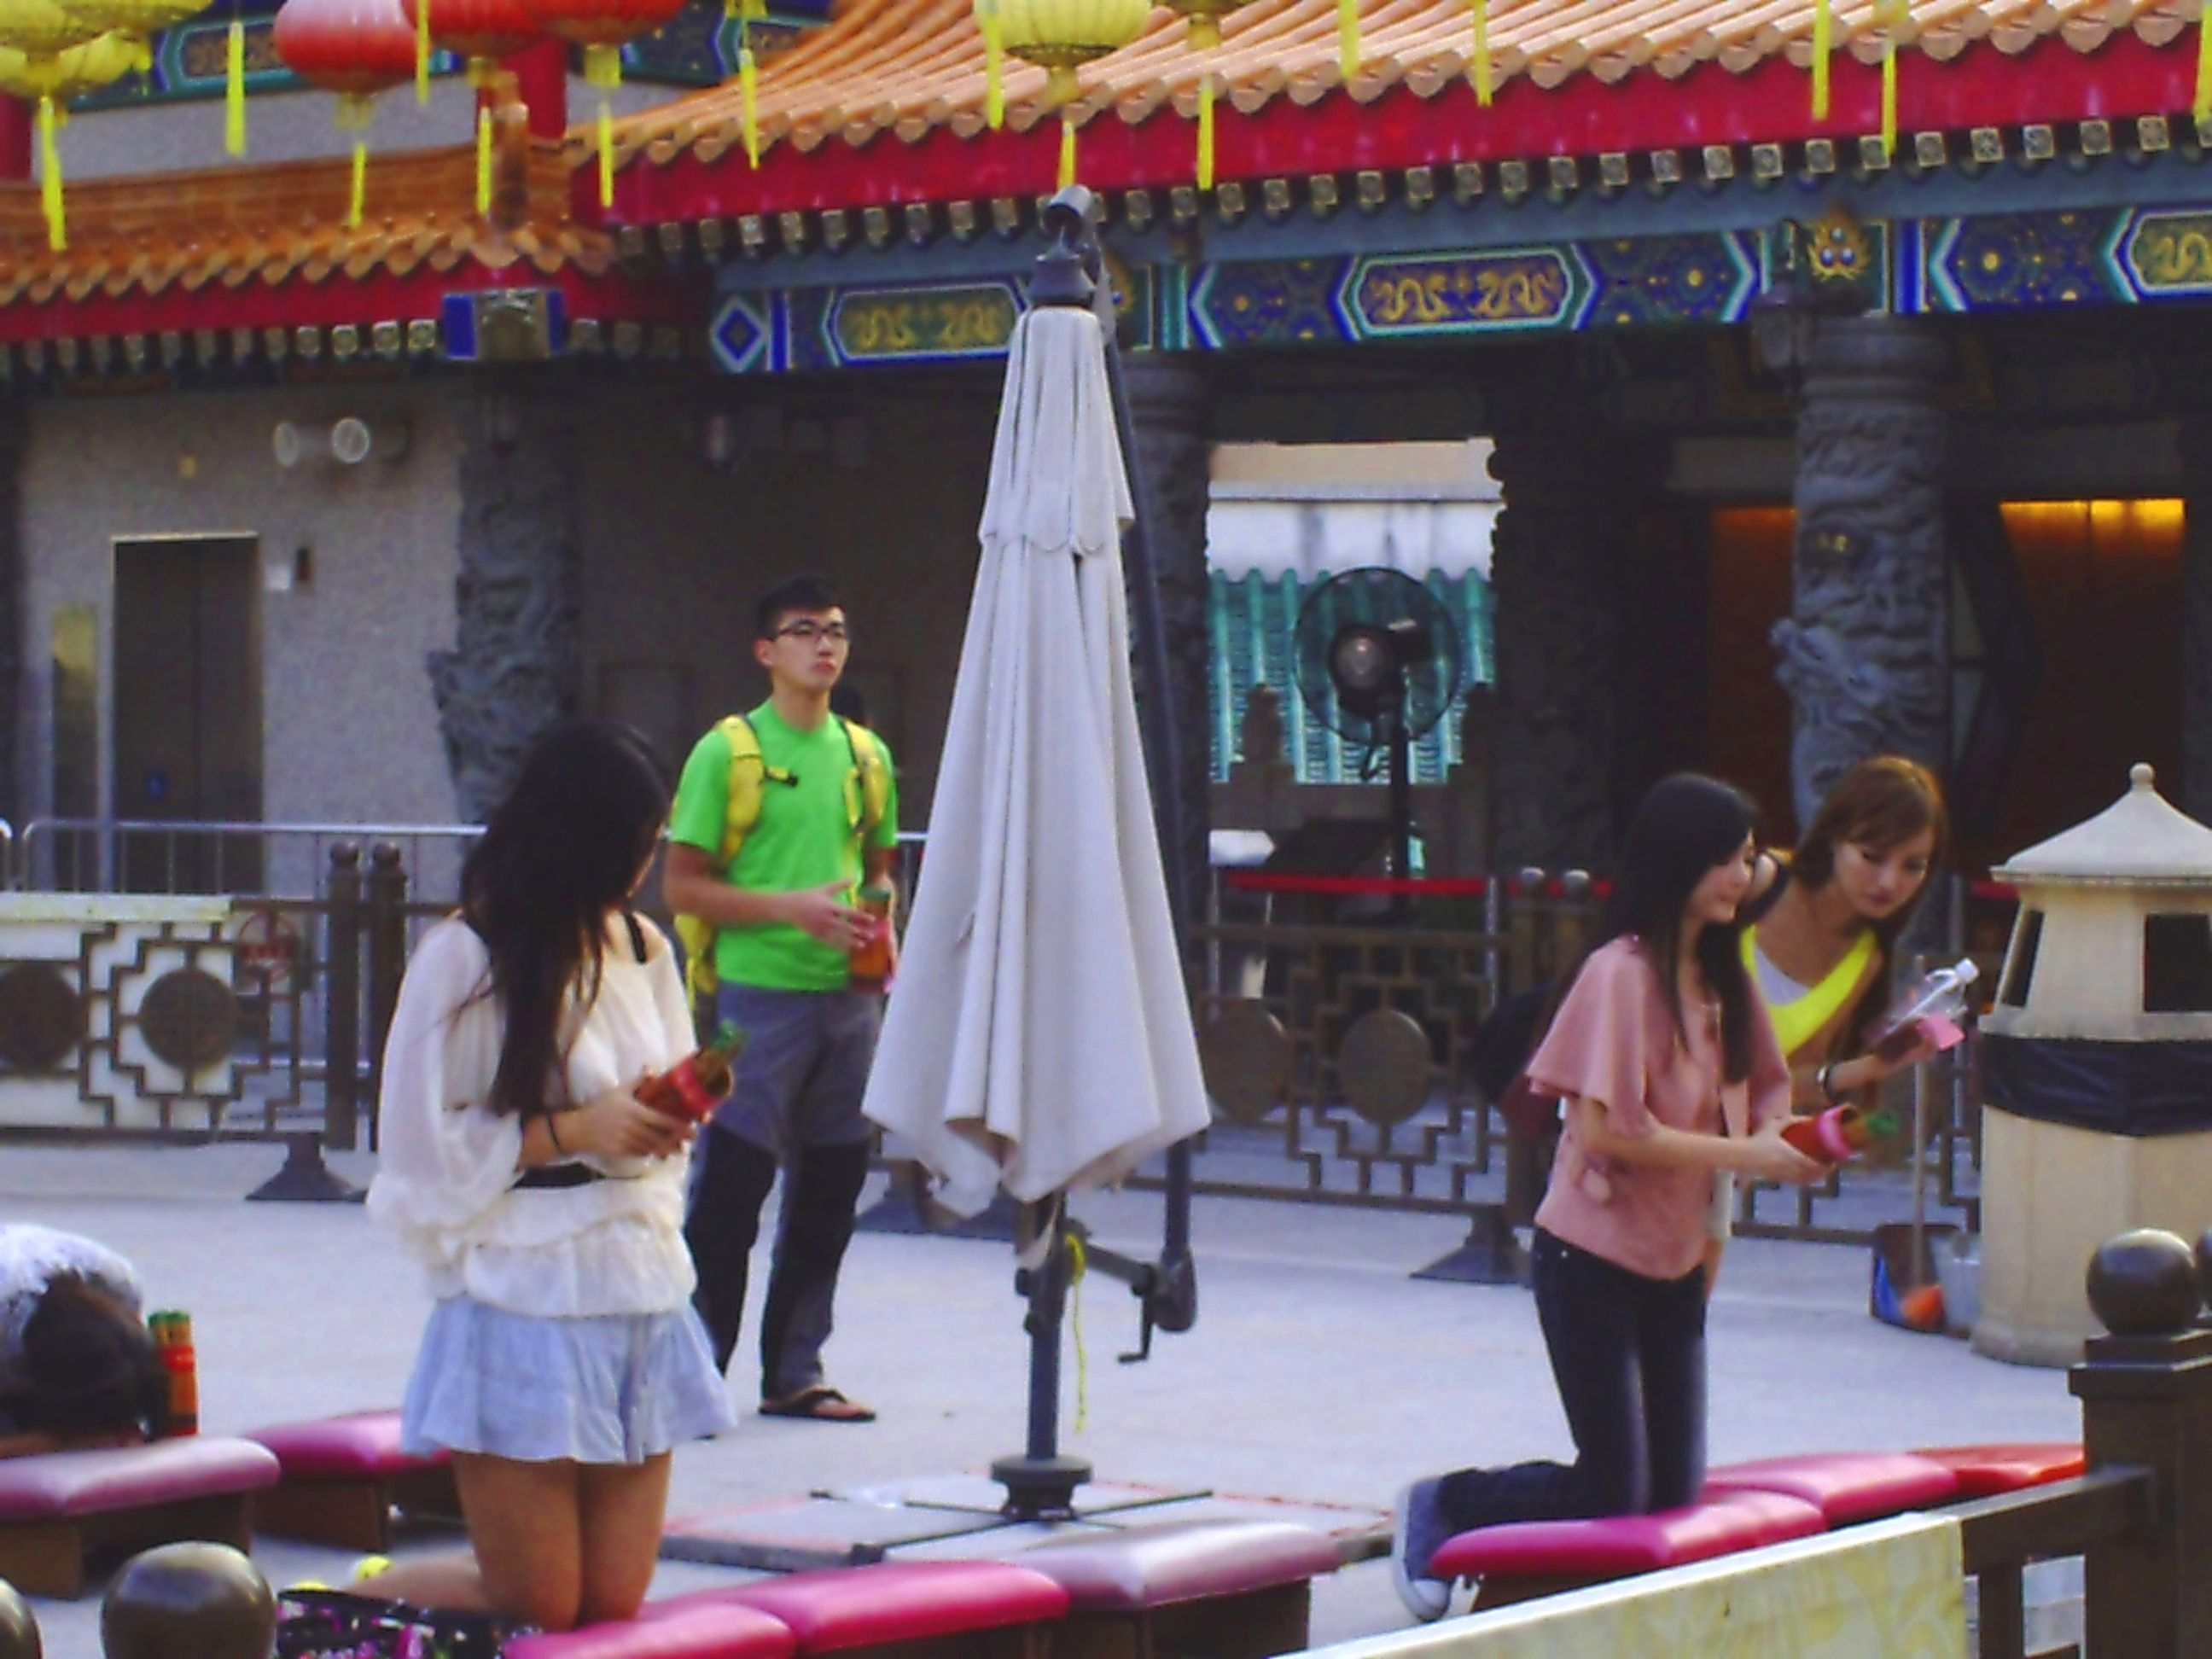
270,860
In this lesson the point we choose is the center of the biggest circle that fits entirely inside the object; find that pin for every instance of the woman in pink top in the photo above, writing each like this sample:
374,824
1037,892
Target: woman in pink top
1669,1073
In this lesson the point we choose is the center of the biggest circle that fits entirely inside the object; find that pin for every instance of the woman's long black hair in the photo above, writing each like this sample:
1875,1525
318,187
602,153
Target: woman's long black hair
1685,826
561,853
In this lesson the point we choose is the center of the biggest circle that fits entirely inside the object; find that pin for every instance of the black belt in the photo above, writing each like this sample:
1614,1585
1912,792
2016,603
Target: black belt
559,1175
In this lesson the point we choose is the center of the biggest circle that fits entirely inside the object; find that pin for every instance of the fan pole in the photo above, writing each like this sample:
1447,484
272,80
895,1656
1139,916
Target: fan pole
1402,791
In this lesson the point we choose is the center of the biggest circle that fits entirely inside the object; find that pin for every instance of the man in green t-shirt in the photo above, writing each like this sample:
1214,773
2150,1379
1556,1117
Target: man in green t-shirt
787,924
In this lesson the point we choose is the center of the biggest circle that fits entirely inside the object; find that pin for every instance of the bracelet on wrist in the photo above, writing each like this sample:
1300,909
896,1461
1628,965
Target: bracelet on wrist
1825,1079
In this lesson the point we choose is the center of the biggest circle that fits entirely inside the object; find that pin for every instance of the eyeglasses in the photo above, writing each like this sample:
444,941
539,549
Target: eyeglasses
807,632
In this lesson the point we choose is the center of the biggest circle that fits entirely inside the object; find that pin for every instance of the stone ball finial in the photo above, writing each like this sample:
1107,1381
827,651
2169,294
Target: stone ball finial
188,1602
19,1629
2141,776
2144,1283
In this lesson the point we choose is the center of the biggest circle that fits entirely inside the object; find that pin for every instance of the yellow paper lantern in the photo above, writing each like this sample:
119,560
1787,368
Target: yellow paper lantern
68,74
1205,17
41,28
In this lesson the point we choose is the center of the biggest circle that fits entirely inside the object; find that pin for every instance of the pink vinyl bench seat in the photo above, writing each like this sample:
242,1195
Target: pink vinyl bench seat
342,1477
57,1507
681,1628
1522,1560
1991,1471
968,1609
1846,1487
1230,1590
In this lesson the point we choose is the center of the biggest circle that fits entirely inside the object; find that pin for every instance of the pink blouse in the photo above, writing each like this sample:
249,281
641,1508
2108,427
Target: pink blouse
1615,1043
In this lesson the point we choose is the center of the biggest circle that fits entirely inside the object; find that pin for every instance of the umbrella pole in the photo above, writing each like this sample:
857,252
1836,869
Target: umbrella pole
1040,1483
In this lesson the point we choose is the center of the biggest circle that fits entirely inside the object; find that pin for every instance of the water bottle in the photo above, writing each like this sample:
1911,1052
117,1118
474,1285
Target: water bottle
1936,1003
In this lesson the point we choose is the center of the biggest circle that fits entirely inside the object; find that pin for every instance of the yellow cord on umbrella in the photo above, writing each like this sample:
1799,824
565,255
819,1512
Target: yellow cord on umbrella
422,51
1823,27
1077,1267
1347,37
50,179
360,183
1067,151
1482,92
233,94
994,70
484,158
1206,130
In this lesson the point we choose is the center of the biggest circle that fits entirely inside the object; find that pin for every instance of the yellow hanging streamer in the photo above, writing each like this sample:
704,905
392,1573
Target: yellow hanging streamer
233,92
1206,130
995,71
1823,43
1899,14
360,183
1482,92
606,155
483,159
2202,105
422,51
1348,38
50,179
1067,152
749,87
1077,1267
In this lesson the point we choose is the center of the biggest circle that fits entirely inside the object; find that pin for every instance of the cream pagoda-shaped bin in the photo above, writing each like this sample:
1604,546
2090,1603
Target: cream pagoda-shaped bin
2097,1065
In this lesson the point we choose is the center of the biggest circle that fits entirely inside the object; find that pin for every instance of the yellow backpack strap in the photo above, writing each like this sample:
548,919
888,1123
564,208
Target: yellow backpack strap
871,775
748,767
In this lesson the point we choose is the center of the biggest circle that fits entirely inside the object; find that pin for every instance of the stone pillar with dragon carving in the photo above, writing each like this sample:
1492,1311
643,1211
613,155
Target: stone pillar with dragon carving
516,666
1572,491
1171,408
1865,654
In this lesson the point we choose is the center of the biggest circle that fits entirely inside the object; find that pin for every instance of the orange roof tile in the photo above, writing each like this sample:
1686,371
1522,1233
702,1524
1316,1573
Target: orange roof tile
910,67
285,221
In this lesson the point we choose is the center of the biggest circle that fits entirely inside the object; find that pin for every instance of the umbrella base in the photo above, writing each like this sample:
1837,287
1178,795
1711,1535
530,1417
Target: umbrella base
1041,1488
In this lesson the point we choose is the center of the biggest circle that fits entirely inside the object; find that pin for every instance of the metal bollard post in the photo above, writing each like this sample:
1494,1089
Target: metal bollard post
188,1602
341,1016
19,1628
387,950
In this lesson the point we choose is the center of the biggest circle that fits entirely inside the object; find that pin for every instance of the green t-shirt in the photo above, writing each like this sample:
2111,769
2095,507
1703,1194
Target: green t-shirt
804,837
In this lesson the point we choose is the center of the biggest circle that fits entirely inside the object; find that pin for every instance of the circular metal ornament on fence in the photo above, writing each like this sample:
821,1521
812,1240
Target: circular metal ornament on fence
189,1019
1384,1067
42,1019
1245,1054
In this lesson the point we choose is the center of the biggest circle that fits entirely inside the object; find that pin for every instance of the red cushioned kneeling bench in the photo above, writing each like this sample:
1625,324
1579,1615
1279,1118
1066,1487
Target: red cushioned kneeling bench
1846,1487
1236,1589
1528,1559
342,1478
960,1609
57,1508
1988,1470
668,1630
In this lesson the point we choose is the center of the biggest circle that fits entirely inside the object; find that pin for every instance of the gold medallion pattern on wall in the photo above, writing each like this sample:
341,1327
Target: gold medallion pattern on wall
1246,1056
189,1019
42,1019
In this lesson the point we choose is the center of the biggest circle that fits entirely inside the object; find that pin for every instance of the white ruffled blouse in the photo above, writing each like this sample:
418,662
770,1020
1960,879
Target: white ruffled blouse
446,1177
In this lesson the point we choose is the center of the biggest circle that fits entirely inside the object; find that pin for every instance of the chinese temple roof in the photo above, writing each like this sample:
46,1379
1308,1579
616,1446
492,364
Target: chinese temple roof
1572,76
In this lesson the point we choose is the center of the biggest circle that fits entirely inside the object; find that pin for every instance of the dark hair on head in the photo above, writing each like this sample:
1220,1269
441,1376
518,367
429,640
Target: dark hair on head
805,593
93,1364
1685,825
1880,805
561,853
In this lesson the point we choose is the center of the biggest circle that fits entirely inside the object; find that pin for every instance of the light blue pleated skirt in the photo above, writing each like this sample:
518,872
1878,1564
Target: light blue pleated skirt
613,1389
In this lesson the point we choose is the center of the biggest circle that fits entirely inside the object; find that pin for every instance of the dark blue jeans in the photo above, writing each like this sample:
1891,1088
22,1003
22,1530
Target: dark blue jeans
1628,1354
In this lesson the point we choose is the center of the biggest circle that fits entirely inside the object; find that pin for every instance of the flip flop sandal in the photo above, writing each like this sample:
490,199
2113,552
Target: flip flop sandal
809,1403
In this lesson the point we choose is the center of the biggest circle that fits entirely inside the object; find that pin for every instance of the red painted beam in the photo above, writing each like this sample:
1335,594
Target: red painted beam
16,117
1982,87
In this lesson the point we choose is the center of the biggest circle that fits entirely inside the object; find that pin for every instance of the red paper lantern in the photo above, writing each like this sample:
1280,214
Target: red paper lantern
590,23
357,48
480,30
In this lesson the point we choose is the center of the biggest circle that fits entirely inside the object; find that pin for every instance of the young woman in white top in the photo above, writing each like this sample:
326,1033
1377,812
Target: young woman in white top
563,1360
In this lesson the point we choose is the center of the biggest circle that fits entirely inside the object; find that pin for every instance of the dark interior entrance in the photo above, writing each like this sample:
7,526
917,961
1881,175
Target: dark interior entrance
188,733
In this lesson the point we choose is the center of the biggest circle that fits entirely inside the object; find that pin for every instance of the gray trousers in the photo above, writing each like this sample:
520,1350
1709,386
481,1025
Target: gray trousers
796,1106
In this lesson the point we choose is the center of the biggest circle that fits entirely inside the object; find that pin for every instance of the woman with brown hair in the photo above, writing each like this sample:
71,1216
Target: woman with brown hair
1822,942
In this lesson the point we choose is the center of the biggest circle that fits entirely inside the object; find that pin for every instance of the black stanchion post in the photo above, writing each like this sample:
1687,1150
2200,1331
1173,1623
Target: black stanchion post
305,1178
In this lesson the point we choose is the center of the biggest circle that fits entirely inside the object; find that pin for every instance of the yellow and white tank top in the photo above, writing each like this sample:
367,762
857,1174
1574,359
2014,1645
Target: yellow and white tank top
1798,1019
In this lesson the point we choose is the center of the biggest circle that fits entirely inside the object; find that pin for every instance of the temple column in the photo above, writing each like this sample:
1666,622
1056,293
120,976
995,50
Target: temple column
1171,408
2196,446
516,666
1571,493
1866,653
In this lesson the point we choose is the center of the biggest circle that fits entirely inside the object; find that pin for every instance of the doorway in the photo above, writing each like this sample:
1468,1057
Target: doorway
188,723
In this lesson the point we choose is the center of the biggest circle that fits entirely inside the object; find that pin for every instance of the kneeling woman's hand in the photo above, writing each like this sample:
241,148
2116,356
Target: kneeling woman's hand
617,1124
1768,1157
